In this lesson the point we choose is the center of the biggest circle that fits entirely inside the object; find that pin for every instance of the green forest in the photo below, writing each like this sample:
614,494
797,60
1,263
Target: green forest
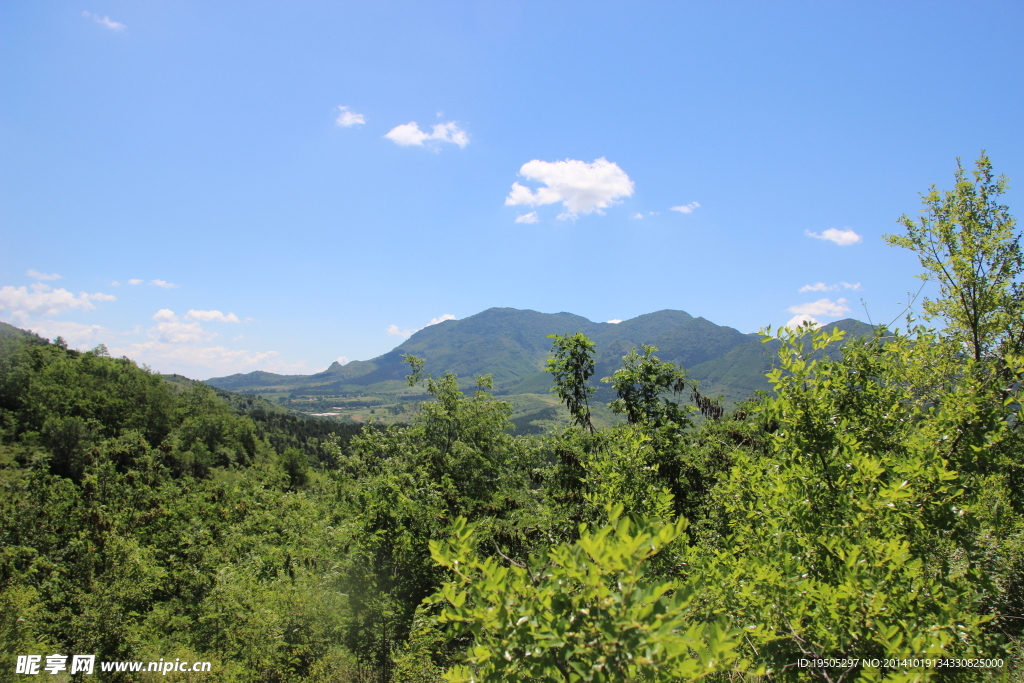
862,520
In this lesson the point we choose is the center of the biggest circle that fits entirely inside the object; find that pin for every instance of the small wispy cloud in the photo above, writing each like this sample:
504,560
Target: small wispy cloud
843,238
528,218
822,287
821,307
410,135
807,312
161,283
396,331
798,320
613,321
686,208
211,316
347,118
33,273
106,22
135,281
440,319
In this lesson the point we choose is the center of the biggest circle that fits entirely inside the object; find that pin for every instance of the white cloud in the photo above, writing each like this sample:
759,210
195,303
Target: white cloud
521,194
77,335
798,320
115,283
822,287
135,281
613,321
440,319
450,132
348,118
410,135
105,21
211,316
407,134
163,283
527,218
396,331
193,360
33,273
342,360
821,307
43,300
170,330
843,238
685,208
637,216
171,349
581,187
180,333
174,345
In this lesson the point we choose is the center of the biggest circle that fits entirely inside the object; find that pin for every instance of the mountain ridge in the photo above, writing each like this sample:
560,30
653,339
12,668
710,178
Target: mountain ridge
512,345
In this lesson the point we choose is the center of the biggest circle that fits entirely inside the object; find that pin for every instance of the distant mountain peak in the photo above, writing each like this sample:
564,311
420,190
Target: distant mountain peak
513,346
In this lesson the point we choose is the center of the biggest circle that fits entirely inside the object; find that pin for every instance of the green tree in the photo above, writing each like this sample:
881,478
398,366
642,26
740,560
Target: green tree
966,242
583,611
572,365
857,534
640,383
296,466
403,485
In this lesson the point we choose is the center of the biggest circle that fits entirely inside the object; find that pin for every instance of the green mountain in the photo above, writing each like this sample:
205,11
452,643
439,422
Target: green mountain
512,346
12,332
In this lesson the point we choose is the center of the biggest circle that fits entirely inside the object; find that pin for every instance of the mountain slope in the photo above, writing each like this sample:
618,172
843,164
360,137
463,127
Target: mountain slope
513,346
508,343
12,332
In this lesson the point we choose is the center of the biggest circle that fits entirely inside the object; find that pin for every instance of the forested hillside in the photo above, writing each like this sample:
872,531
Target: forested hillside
512,346
865,521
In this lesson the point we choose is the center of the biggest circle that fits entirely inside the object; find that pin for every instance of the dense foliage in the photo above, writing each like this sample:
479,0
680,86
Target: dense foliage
871,508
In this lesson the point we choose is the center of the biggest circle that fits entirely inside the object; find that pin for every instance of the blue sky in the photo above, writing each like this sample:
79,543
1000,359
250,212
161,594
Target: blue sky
232,186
